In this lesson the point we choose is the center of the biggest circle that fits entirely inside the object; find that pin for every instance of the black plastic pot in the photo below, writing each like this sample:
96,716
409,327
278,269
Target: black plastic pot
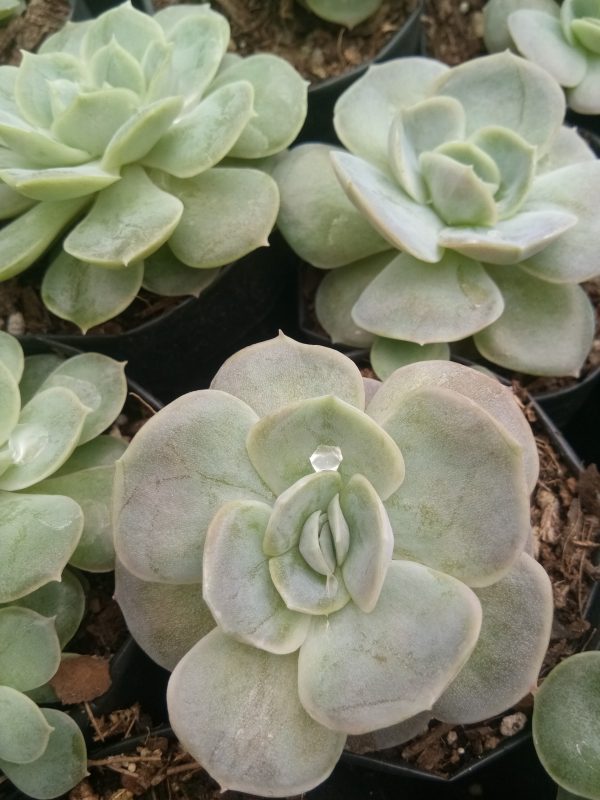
323,95
181,349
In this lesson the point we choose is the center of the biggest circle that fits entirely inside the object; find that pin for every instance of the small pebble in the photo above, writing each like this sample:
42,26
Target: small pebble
464,7
452,737
15,324
131,767
513,723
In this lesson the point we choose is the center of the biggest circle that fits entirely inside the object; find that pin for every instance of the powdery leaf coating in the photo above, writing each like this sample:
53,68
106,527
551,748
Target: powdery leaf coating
24,732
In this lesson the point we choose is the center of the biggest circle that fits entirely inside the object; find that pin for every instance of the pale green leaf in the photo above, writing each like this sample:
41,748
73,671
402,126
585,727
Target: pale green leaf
388,355
279,104
359,672
280,445
292,370
349,13
67,39
24,732
30,652
255,736
181,467
545,329
495,17
35,145
101,451
237,585
11,355
12,203
315,216
35,74
166,275
463,527
130,28
305,590
59,183
458,195
585,97
62,765
204,136
115,66
36,370
87,294
227,213
586,31
426,303
568,147
165,619
10,401
128,221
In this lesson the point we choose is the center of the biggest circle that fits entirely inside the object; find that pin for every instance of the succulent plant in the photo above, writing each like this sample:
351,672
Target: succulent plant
343,12
463,207
565,726
141,138
564,39
314,565
55,487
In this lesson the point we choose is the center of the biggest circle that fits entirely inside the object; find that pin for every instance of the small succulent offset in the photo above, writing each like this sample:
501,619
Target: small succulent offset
343,12
55,487
566,733
117,132
468,172
564,39
326,565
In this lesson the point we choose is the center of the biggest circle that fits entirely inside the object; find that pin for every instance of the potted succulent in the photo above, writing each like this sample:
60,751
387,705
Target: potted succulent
139,140
462,207
56,469
317,551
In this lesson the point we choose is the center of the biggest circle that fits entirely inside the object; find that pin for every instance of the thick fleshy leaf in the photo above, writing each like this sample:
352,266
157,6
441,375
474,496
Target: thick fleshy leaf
487,392
515,631
574,257
181,467
30,652
586,31
293,371
227,213
255,736
10,402
280,445
94,117
294,506
87,294
404,223
12,203
565,724
165,619
11,355
128,221
495,17
62,600
32,82
464,527
19,248
388,355
101,451
100,384
338,292
35,145
62,765
568,147
425,303
393,736
419,129
365,111
48,431
59,183
315,216
166,275
303,589
205,135
458,195
36,370
507,91
546,328
349,13
130,28
140,133
359,672
24,732
540,38
512,240
91,489
585,97
47,526
371,542
115,66
515,159
237,586
279,104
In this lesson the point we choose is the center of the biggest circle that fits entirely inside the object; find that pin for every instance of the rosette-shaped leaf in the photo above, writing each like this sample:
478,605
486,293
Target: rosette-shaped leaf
116,133
343,12
461,208
346,566
56,474
564,39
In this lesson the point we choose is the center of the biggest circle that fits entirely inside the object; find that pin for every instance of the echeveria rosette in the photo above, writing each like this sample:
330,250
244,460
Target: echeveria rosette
140,138
313,565
564,39
460,208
